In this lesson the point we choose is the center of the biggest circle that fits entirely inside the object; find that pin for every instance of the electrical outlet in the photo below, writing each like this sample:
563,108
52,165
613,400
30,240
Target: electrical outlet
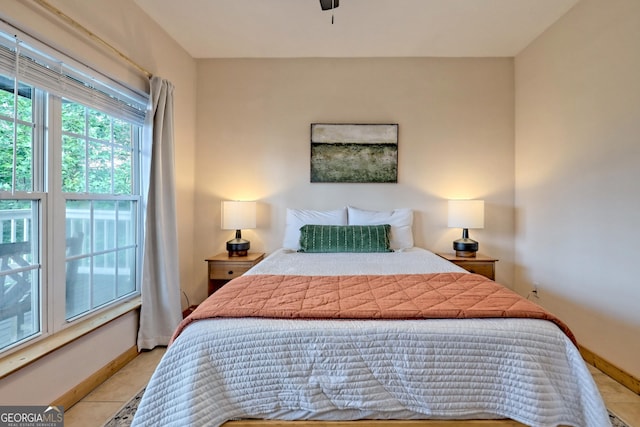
534,291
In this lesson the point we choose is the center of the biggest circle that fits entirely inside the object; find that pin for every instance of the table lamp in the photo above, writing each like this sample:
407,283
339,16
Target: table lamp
238,215
466,214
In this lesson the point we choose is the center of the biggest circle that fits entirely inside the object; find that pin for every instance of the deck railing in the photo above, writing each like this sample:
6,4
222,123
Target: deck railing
15,226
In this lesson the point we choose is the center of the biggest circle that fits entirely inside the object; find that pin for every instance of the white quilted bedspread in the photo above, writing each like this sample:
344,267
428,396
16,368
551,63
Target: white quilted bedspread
222,369
413,260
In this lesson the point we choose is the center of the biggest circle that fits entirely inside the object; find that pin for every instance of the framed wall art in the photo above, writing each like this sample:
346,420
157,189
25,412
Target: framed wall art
362,153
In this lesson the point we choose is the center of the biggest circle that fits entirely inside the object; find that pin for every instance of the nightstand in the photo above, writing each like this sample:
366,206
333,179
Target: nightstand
223,267
480,264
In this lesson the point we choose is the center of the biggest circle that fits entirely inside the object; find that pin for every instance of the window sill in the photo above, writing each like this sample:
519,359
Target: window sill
29,354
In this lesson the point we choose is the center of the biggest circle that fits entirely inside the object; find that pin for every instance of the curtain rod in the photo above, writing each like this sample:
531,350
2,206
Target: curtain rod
78,26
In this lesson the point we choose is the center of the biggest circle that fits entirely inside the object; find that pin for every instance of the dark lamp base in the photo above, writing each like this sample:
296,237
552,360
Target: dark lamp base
238,247
465,247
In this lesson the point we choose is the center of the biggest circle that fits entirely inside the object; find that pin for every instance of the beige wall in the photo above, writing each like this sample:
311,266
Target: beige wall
122,24
577,174
576,109
456,135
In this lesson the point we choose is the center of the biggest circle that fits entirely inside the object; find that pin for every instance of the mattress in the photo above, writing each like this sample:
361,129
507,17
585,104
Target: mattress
229,368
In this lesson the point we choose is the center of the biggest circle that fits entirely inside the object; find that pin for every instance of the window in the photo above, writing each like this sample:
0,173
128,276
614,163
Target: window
20,213
98,154
70,203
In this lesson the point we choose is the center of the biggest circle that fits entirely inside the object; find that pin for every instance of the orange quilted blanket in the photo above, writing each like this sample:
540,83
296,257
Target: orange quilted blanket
403,296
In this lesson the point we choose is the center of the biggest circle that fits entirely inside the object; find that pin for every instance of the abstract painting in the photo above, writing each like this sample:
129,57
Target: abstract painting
362,153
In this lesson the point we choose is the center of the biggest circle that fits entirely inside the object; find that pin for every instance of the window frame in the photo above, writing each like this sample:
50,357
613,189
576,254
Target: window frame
47,187
59,317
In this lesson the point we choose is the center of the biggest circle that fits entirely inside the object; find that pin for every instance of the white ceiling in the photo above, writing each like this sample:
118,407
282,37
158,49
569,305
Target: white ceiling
361,28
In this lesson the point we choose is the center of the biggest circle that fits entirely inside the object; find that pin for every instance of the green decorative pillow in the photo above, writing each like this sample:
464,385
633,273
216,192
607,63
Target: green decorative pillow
345,238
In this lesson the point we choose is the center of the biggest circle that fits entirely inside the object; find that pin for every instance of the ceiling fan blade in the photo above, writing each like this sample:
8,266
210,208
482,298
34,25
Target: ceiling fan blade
329,4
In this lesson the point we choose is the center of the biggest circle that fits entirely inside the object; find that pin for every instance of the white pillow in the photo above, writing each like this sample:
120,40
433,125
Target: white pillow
296,218
401,221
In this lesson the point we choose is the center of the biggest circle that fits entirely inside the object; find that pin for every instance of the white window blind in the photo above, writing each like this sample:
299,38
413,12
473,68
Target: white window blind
34,63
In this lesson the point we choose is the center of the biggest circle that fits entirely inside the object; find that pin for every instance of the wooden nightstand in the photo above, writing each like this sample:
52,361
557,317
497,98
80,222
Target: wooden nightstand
223,268
480,264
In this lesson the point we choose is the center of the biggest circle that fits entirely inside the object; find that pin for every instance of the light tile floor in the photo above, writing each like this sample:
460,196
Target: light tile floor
102,403
619,399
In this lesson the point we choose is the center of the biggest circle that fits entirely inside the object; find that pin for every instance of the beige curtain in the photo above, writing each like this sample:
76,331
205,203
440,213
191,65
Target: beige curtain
161,310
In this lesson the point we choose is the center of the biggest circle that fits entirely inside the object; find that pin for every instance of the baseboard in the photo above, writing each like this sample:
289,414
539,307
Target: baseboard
74,395
624,378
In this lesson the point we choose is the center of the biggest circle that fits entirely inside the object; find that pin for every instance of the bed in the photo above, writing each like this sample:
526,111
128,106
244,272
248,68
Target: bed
279,364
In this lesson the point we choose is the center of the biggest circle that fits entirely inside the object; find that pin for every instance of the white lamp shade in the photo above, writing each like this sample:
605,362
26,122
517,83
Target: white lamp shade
238,215
466,213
